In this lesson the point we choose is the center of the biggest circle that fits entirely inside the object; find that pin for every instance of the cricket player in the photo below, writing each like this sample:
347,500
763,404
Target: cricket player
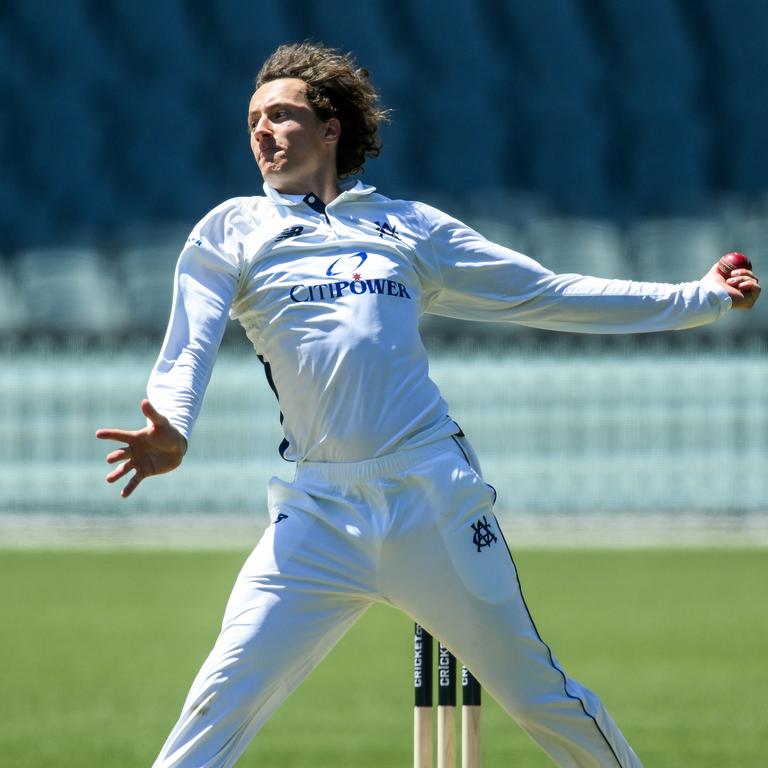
328,278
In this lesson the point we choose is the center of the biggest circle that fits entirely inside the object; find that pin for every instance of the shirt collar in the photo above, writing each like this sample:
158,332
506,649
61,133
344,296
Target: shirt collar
350,189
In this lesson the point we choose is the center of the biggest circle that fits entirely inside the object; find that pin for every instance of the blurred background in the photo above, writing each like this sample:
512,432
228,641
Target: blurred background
606,137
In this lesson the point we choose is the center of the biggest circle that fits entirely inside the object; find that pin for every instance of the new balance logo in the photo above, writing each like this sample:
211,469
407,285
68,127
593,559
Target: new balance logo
385,228
289,232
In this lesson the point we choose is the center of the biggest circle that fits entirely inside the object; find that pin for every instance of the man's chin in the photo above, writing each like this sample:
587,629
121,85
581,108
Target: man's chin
271,175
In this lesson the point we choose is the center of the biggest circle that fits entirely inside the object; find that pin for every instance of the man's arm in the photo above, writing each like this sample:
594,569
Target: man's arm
468,277
205,283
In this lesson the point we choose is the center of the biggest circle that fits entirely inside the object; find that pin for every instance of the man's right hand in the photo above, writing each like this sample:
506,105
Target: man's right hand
154,450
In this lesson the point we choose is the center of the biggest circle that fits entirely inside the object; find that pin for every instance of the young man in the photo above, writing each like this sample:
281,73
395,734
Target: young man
329,279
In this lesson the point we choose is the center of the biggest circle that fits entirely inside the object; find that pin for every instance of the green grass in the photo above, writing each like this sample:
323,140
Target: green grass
98,650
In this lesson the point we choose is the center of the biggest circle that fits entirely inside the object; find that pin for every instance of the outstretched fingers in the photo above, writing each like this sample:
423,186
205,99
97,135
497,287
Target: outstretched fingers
121,454
155,449
131,486
119,435
120,471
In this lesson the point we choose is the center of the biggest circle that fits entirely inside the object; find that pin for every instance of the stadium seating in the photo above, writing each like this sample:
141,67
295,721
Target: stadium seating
498,231
527,119
564,65
584,246
606,109
146,282
676,249
128,285
749,234
654,82
739,47
459,90
69,291
62,35
655,57
668,169
598,137
13,312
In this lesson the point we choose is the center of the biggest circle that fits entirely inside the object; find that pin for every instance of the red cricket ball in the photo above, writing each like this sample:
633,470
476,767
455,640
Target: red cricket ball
733,261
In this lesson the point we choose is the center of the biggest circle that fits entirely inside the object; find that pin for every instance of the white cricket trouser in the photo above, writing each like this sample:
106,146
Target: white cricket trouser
415,530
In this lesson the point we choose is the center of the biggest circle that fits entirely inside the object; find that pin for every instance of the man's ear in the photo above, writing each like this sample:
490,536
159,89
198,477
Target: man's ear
332,130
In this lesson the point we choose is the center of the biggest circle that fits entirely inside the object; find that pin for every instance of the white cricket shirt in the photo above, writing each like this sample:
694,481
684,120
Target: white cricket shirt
330,297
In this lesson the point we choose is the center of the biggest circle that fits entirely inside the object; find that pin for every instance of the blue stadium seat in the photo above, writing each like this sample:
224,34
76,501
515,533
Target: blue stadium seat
565,143
365,30
656,62
497,231
13,311
749,234
655,81
582,246
668,165
69,291
146,282
742,29
247,33
569,160
674,250
159,165
565,68
63,39
458,85
13,58
64,159
512,207
154,37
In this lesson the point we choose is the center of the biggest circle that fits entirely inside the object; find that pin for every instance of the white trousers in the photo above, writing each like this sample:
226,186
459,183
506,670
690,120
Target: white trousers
414,530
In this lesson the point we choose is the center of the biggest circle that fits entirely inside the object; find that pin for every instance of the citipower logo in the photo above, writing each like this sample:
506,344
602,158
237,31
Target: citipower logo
346,264
356,286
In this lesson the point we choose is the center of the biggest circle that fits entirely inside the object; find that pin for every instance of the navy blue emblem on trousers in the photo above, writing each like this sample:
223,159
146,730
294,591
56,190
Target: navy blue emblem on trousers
483,535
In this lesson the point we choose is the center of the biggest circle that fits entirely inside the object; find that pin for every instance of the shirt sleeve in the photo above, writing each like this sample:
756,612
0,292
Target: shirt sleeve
205,284
468,277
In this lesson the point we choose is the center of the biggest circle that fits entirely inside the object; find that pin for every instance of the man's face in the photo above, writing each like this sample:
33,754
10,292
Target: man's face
292,146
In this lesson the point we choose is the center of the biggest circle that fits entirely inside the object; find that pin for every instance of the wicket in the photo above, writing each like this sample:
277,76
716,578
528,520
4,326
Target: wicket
446,707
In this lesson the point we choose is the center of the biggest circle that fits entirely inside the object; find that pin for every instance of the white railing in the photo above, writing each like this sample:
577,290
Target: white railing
556,434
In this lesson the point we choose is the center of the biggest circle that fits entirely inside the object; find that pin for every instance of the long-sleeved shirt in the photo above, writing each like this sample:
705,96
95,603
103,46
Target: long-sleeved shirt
330,297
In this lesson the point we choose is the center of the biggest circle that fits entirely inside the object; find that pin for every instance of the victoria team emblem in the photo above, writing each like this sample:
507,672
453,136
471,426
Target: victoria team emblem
385,228
483,536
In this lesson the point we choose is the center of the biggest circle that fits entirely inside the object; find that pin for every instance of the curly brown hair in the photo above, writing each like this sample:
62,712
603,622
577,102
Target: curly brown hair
336,87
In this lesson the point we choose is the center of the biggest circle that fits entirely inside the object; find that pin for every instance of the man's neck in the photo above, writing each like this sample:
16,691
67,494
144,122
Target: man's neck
327,189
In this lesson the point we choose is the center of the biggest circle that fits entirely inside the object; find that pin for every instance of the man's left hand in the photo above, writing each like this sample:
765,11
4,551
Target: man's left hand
742,286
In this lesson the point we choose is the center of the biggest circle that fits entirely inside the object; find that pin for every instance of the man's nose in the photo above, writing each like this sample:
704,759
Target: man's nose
263,127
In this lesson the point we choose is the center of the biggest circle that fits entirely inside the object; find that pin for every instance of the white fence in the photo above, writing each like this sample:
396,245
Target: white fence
570,433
